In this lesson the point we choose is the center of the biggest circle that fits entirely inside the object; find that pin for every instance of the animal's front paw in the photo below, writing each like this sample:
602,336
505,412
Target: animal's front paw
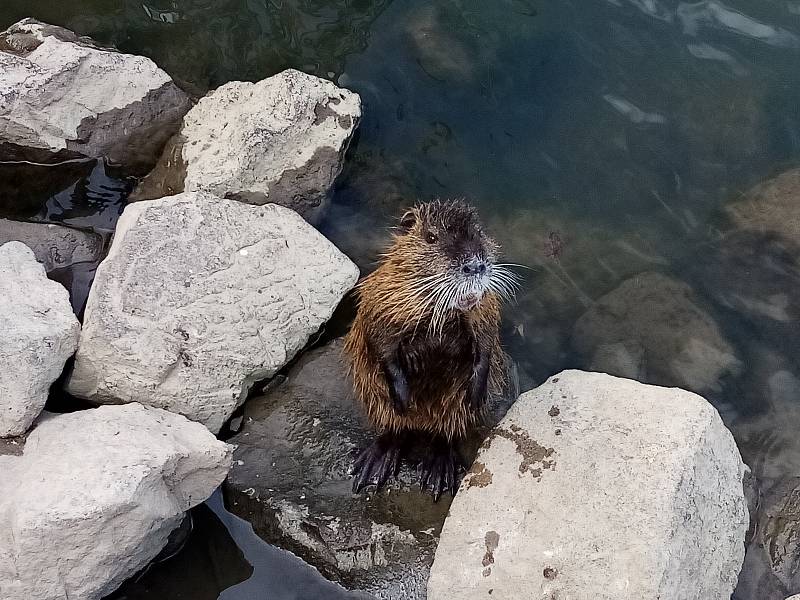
379,462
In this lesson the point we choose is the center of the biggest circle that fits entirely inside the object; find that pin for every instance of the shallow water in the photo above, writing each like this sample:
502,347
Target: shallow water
619,127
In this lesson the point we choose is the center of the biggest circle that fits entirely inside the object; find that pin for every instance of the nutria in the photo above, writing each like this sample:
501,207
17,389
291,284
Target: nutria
424,350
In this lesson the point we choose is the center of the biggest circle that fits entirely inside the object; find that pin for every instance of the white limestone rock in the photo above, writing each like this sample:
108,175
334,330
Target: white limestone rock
280,140
198,298
40,332
95,495
60,93
598,488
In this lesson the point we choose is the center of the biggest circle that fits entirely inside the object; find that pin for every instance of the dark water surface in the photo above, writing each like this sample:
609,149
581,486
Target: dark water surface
619,129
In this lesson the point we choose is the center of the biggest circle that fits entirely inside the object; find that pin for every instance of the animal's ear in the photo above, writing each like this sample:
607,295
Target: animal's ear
408,220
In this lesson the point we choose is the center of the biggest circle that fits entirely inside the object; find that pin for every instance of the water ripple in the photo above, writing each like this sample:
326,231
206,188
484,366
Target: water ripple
718,16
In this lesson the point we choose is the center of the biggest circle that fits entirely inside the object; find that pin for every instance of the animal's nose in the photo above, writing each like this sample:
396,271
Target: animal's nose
474,267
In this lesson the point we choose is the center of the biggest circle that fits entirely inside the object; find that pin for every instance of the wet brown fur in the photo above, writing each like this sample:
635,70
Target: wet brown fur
438,361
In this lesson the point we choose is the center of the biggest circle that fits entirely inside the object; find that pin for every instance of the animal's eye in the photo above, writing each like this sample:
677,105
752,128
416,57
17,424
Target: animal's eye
431,238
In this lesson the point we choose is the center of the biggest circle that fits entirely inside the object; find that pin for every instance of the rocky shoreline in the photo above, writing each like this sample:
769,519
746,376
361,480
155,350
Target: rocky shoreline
592,486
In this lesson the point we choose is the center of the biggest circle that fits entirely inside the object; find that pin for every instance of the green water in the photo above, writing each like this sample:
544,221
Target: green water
623,126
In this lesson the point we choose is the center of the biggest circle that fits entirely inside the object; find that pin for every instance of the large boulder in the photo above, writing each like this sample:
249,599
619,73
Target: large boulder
281,140
200,297
63,94
70,256
595,488
40,332
652,328
95,495
290,478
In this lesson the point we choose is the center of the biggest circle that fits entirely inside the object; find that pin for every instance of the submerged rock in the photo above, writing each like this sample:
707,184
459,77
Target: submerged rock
651,328
200,297
770,207
40,332
594,488
281,140
64,95
767,436
70,256
55,246
95,495
778,531
291,480
764,291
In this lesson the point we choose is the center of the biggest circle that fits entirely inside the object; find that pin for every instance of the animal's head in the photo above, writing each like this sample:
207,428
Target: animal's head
450,260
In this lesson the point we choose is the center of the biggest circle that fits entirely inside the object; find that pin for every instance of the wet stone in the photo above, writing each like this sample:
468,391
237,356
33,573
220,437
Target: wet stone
291,480
764,290
70,256
654,328
766,431
770,207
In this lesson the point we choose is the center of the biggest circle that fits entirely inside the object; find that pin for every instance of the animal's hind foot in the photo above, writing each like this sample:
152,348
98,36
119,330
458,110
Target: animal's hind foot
378,462
440,469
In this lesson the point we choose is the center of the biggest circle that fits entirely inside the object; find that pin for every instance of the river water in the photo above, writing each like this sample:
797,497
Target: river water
600,139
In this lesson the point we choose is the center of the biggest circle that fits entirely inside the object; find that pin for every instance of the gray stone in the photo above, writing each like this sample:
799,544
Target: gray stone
95,495
281,140
55,246
290,478
62,94
40,332
595,487
69,255
200,297
668,339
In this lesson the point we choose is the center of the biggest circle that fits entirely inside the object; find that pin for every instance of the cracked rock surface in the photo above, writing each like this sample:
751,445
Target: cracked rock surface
39,333
61,94
198,298
94,495
598,488
280,140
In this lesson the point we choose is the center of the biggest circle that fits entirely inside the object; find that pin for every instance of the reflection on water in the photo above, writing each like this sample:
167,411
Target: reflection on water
85,194
223,558
205,43
621,128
